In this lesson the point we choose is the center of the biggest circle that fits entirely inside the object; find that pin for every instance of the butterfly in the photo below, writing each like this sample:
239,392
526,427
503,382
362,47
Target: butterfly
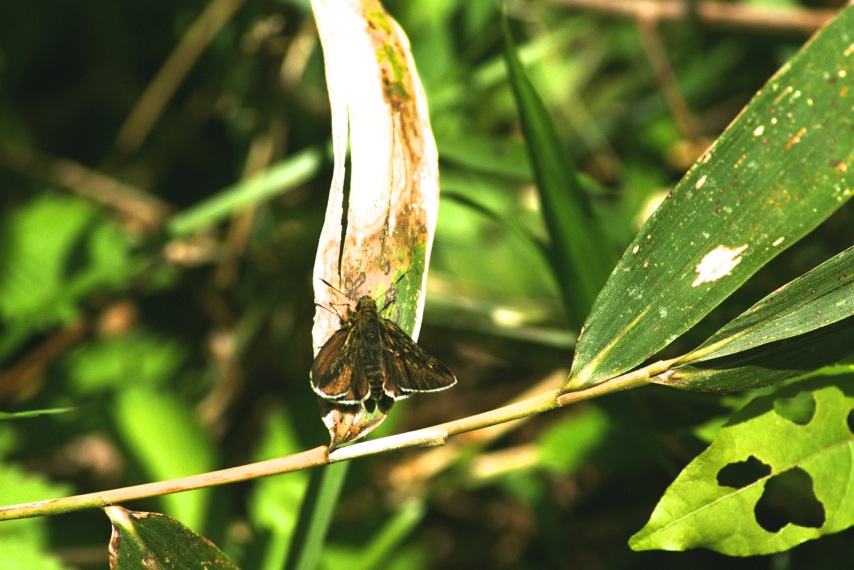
371,361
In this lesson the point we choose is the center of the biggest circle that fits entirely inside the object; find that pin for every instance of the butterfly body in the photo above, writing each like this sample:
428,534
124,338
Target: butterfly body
372,360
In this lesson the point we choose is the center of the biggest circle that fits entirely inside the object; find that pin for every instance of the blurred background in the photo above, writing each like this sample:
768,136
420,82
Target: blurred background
178,328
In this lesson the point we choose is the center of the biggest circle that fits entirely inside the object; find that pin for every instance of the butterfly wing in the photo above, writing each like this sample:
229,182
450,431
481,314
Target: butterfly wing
408,367
336,373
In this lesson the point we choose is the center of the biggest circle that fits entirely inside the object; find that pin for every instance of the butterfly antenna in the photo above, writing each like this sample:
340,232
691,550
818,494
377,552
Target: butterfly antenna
333,287
334,312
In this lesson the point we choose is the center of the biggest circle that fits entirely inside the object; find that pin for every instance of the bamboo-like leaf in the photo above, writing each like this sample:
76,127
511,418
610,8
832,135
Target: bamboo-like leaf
34,413
274,503
143,541
173,446
802,326
384,240
275,180
767,363
388,541
379,110
718,502
581,253
316,514
817,299
781,168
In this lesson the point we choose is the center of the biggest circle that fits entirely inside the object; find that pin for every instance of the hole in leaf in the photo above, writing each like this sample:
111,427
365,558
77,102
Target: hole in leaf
789,498
743,473
798,409
851,421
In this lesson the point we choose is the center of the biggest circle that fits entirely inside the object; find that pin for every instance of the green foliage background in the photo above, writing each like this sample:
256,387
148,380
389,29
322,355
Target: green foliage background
184,356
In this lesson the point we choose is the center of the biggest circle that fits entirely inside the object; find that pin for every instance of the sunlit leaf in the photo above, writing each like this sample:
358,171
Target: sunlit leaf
166,438
802,326
820,298
275,501
24,543
766,364
778,171
721,500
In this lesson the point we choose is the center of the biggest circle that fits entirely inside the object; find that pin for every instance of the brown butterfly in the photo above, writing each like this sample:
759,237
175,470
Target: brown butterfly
372,361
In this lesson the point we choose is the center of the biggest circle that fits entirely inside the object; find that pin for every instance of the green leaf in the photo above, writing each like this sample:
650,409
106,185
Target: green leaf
19,554
581,254
153,540
54,253
107,363
766,364
389,540
24,543
275,501
721,500
819,298
33,260
567,445
800,327
34,413
54,250
168,441
778,171
278,179
515,228
489,155
316,515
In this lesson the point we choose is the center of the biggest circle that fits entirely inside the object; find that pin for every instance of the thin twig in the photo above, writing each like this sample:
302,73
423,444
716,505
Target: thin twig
100,499
161,89
435,435
421,467
666,80
718,14
144,211
23,376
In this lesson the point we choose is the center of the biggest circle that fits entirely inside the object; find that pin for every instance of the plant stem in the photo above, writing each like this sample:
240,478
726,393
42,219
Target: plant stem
432,436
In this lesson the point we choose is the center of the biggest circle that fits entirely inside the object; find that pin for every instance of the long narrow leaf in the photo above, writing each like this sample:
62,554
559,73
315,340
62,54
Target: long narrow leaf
378,241
817,299
778,171
315,516
766,364
581,254
279,178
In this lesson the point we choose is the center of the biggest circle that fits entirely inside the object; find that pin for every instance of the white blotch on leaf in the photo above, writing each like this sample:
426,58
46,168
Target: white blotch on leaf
717,263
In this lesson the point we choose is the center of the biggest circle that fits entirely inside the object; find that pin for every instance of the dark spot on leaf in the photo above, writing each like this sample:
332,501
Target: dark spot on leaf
789,499
798,409
851,421
743,473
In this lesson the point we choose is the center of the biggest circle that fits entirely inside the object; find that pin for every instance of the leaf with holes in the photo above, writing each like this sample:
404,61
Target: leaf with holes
797,443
